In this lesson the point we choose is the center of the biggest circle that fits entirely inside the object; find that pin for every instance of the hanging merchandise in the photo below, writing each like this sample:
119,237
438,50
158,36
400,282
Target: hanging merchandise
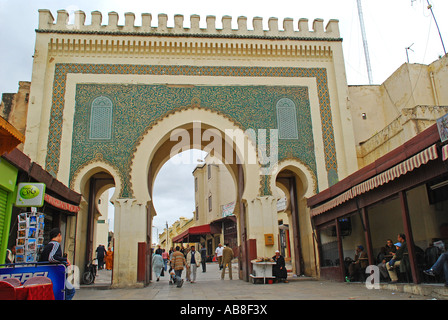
30,237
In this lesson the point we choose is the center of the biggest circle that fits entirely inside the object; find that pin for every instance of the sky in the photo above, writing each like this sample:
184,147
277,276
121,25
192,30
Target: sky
391,26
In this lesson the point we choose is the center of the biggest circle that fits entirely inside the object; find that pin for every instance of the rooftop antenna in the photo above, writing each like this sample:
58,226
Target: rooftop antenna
440,35
364,41
407,49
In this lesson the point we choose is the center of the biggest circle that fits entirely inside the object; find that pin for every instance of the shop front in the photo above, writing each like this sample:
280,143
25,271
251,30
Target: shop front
403,192
57,208
10,137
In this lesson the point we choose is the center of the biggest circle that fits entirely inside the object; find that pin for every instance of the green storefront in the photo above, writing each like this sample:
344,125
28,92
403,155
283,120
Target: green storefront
8,178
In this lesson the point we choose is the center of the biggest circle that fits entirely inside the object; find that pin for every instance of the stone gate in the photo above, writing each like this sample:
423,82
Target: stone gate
105,100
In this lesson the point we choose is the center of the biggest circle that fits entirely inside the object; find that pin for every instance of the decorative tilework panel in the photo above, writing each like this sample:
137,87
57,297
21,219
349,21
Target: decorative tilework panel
136,107
286,119
101,118
248,111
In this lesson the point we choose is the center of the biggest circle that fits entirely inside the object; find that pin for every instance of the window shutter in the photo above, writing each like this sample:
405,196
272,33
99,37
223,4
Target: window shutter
3,204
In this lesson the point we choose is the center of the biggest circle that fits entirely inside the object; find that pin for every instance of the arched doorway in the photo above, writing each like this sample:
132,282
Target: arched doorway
194,199
94,181
294,182
193,189
164,153
174,193
203,130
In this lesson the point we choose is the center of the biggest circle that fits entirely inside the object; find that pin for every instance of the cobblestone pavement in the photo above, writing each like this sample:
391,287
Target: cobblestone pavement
209,286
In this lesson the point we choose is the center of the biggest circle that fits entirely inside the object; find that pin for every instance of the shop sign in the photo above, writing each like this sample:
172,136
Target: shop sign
227,209
55,272
30,194
442,125
61,204
281,204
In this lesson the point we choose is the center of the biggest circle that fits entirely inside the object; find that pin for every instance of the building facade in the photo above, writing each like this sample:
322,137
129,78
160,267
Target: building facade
401,186
134,85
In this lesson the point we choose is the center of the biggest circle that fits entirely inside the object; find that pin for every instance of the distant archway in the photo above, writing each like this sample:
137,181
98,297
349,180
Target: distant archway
298,183
91,181
156,148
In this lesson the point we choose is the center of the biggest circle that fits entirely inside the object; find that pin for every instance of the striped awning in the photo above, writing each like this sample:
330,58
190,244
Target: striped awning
400,169
61,204
445,152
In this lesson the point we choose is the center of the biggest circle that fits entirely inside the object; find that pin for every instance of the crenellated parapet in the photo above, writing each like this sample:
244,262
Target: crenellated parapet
303,31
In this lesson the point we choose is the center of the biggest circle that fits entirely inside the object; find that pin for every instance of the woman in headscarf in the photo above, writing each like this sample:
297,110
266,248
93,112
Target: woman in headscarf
157,264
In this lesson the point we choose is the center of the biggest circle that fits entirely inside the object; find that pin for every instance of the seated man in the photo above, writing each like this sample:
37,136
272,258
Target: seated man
441,264
395,262
360,263
279,268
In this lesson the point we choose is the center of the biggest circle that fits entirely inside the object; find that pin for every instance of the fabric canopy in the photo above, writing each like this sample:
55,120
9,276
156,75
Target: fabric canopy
61,204
445,152
10,137
193,231
380,179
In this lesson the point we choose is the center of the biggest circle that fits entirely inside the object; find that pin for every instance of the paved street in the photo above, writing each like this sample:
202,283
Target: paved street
210,287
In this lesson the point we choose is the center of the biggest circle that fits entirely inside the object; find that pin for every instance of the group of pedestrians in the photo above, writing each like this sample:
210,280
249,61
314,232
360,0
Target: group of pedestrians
189,259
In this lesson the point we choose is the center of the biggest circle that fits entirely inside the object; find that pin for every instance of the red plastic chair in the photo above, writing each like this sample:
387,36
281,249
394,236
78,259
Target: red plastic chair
7,291
37,280
13,281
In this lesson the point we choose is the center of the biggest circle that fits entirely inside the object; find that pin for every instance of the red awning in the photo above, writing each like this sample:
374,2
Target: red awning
193,231
380,179
61,204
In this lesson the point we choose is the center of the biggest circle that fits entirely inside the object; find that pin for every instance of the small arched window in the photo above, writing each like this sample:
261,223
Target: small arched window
101,119
287,119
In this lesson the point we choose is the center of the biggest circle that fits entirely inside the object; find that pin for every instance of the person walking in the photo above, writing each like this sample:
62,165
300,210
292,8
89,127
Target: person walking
218,253
157,265
204,258
193,262
227,256
165,257
177,263
187,271
109,259
100,255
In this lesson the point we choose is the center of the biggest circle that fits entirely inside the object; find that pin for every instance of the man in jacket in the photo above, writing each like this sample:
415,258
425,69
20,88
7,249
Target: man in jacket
178,263
359,264
227,256
193,262
204,258
52,253
398,257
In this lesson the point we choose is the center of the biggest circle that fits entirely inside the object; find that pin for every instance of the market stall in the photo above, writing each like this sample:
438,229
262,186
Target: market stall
262,270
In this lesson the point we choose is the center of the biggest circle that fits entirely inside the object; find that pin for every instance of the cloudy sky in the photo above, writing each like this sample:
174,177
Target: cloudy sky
391,26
